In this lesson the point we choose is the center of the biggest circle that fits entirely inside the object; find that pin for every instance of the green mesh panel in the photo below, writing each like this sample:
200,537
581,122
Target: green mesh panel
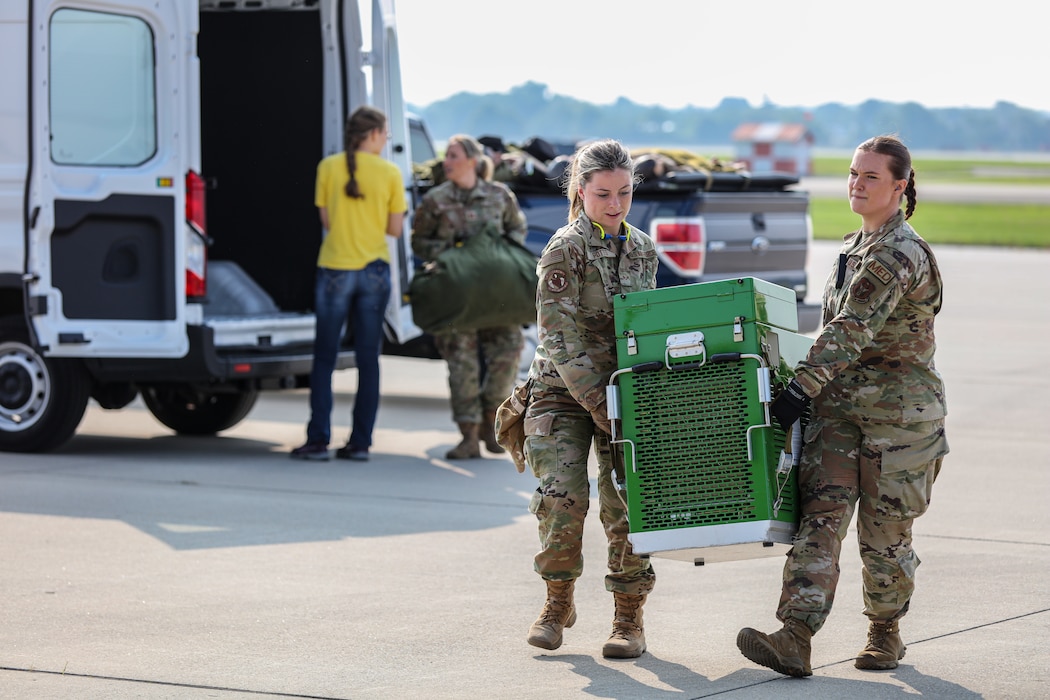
689,428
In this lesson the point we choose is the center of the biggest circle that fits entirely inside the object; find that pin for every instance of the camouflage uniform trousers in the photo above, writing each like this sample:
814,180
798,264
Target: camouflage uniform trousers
478,382
890,469
559,433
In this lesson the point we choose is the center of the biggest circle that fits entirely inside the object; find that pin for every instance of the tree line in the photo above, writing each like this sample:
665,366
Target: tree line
532,110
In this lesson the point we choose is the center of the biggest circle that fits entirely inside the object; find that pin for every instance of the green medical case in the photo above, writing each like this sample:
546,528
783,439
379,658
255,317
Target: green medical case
708,476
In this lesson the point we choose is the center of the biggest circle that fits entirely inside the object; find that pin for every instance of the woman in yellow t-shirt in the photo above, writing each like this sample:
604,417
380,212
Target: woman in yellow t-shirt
361,200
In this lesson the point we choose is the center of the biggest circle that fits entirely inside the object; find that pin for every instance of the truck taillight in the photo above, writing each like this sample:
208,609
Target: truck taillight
196,238
680,244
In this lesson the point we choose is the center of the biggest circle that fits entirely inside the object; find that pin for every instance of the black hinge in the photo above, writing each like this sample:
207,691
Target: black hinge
37,306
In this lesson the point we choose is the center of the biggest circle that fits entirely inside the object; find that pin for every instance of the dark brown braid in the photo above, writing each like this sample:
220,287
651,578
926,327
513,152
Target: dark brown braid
900,164
359,125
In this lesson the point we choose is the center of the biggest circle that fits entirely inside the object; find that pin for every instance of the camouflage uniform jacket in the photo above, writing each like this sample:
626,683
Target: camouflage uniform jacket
873,360
449,215
579,274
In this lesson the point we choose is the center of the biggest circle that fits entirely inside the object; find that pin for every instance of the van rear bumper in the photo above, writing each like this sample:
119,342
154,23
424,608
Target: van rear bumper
205,364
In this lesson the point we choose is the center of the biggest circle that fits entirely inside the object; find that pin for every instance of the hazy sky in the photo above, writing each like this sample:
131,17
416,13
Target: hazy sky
697,52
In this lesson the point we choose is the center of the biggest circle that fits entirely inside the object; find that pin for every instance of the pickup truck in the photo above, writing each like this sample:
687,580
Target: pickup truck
707,225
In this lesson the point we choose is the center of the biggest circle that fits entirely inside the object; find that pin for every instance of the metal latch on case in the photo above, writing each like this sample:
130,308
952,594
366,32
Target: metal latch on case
632,343
738,329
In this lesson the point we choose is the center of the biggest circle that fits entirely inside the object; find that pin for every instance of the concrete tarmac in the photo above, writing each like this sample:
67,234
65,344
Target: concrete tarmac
138,564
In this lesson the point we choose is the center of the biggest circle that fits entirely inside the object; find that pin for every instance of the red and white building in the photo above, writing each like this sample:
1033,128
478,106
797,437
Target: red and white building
775,147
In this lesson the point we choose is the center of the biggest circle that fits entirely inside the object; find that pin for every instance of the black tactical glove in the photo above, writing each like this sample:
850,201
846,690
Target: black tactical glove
789,405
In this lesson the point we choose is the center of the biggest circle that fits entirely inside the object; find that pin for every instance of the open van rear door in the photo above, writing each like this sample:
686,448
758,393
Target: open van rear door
387,96
112,101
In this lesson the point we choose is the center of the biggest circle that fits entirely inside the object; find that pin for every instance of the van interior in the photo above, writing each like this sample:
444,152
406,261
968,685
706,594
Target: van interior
261,139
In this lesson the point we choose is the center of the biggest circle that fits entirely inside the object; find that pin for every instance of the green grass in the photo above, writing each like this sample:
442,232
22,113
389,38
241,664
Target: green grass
1030,172
1016,225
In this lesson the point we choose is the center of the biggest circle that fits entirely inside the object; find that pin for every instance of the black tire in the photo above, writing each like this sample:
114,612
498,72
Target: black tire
42,399
114,396
193,413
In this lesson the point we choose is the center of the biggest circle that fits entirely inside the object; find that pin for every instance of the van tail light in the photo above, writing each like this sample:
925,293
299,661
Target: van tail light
681,244
196,238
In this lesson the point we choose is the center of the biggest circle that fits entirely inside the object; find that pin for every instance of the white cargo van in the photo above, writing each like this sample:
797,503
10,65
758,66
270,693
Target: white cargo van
157,228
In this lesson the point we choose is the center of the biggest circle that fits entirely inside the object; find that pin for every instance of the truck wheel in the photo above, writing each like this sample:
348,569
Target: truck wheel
198,413
42,400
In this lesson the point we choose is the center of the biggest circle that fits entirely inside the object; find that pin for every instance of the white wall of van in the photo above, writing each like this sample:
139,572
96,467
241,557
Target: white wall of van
158,235
13,146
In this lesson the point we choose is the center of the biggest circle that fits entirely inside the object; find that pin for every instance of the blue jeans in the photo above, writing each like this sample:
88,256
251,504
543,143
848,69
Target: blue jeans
358,297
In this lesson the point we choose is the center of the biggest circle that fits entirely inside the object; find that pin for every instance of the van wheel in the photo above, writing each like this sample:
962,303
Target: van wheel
191,412
42,399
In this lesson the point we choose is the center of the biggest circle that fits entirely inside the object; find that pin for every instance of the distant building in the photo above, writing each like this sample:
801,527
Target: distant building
775,147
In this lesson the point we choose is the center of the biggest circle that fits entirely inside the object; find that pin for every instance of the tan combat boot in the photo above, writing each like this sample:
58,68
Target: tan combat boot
558,613
468,447
785,651
627,640
488,432
884,649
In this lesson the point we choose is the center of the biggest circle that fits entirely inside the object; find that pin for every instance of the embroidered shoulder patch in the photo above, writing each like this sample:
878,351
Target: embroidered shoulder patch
880,271
862,289
557,281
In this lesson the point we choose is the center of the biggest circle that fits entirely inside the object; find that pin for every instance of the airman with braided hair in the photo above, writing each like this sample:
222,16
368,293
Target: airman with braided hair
875,438
360,198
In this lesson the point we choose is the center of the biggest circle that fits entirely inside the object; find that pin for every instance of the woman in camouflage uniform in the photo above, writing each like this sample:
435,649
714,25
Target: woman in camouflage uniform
482,364
584,265
876,432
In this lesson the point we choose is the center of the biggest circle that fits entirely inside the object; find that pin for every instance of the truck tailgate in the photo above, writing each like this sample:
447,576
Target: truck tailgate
758,234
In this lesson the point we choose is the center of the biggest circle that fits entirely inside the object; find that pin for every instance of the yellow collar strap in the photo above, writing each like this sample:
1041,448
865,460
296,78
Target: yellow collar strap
623,236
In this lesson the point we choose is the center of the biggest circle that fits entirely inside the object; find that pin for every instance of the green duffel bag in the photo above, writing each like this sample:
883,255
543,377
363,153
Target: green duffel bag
484,282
